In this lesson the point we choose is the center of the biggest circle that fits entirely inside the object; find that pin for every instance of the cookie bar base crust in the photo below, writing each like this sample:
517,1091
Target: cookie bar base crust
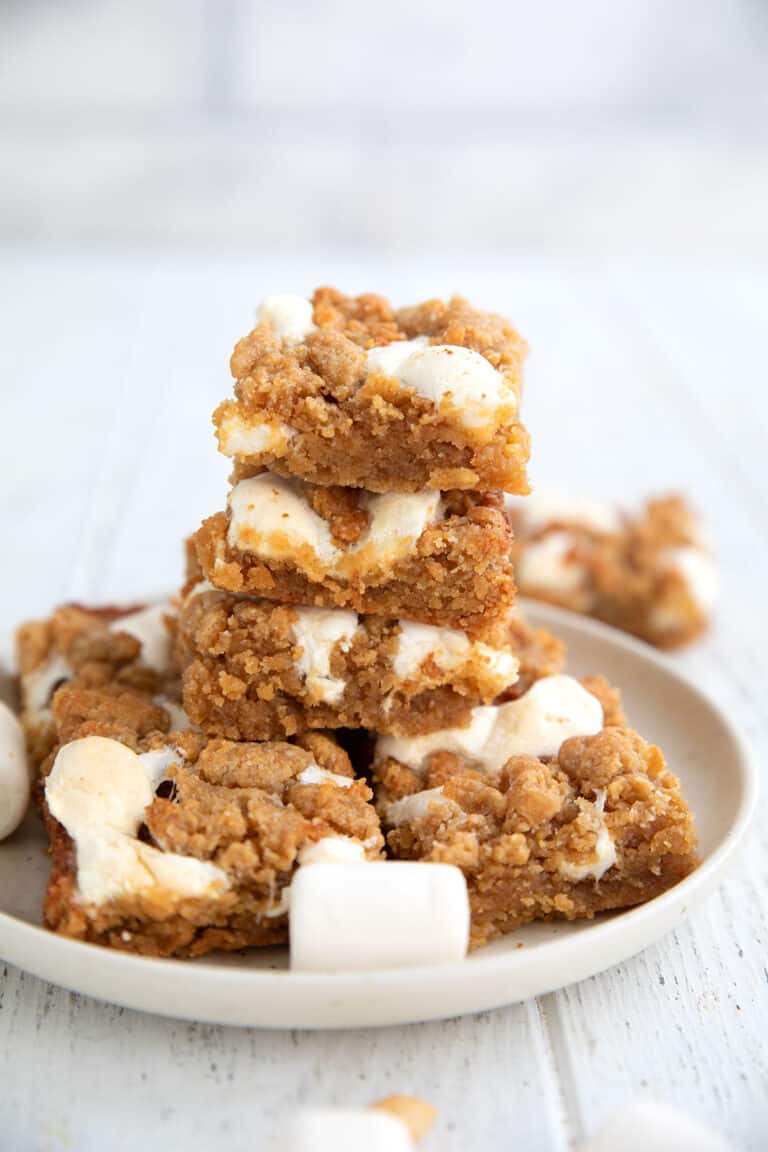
458,575
518,833
237,806
241,678
371,432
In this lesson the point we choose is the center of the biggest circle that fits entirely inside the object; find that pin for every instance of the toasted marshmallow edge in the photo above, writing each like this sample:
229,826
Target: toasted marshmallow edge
541,509
545,566
344,1130
271,517
551,711
450,375
396,914
98,789
239,437
449,649
149,628
14,773
290,316
317,631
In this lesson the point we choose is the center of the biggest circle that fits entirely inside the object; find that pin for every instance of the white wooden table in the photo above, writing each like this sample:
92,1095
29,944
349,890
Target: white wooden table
640,380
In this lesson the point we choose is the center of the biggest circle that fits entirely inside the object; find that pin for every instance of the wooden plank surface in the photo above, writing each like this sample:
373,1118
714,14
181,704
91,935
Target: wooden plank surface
640,381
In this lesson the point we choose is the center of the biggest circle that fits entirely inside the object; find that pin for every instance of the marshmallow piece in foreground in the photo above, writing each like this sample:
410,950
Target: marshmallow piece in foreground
344,1130
14,773
396,914
646,1124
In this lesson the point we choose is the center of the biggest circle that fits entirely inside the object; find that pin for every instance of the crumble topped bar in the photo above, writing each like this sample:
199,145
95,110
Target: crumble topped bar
127,648
253,669
549,812
177,847
443,558
347,391
649,574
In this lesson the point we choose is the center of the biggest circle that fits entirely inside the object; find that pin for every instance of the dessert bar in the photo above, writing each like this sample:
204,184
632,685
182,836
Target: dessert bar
183,845
346,391
443,558
549,805
257,670
128,648
650,574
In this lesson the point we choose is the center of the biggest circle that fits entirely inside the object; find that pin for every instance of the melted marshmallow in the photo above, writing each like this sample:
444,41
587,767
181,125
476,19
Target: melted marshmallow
290,316
239,437
544,564
317,631
312,774
333,849
605,851
37,686
449,376
271,517
448,649
551,711
697,570
149,628
414,807
98,789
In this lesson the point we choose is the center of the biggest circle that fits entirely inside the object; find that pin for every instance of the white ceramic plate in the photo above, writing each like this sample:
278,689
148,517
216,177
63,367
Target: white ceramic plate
256,989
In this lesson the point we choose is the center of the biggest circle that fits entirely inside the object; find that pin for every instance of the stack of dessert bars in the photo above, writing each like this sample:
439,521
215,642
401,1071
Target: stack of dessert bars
356,681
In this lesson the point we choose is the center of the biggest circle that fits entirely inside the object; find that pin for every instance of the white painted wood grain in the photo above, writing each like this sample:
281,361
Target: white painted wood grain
638,382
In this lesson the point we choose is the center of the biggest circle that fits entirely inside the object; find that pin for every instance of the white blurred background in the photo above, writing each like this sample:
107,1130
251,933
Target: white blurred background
602,130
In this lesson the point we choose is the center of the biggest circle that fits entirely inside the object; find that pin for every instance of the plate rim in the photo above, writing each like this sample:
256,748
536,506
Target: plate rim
19,936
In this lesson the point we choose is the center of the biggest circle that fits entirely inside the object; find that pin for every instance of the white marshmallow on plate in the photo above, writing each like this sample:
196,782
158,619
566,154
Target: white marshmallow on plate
645,1124
393,914
344,1130
14,773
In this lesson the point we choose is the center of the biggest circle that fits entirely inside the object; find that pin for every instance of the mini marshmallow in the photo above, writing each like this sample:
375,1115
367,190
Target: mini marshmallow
344,1130
545,565
317,631
149,628
695,567
448,649
446,374
98,789
386,915
37,686
313,774
289,315
551,711
333,850
14,773
415,806
271,516
389,358
645,1124
238,437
